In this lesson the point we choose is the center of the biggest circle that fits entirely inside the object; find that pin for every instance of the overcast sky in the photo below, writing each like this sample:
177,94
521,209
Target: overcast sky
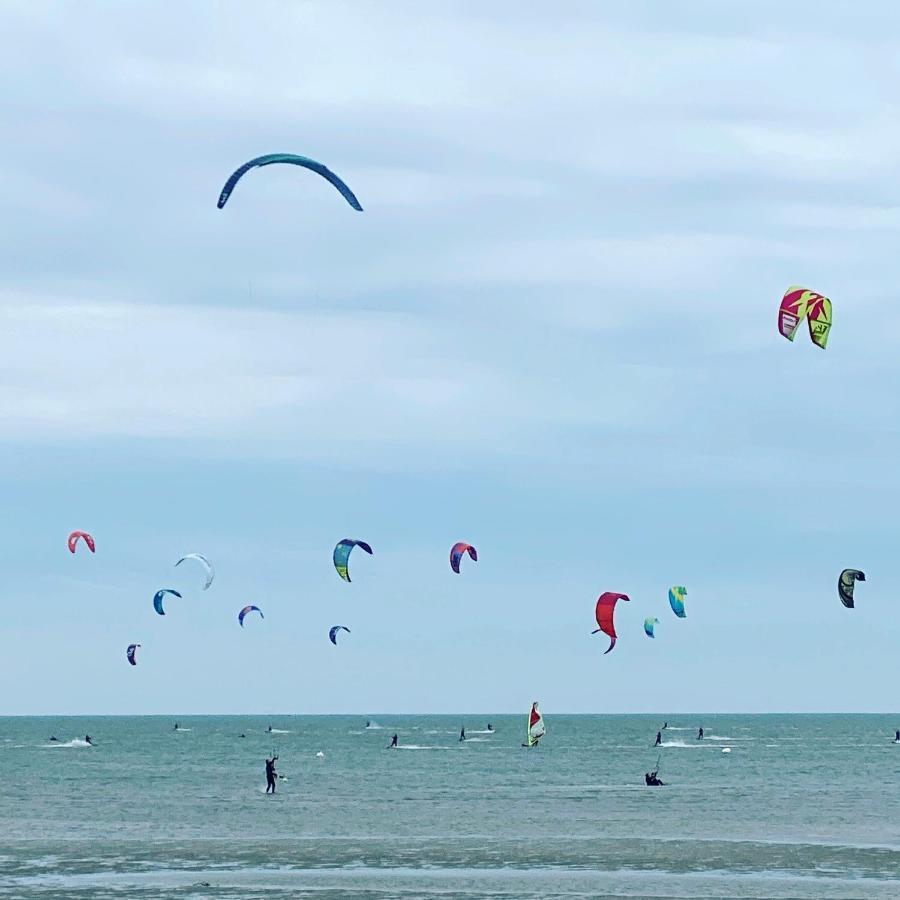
552,333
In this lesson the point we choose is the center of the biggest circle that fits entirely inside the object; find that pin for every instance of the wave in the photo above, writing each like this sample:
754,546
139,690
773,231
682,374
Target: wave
485,731
694,745
77,742
179,728
276,731
420,747
469,740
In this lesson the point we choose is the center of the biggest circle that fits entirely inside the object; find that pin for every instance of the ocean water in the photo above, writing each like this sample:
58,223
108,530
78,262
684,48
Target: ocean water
802,806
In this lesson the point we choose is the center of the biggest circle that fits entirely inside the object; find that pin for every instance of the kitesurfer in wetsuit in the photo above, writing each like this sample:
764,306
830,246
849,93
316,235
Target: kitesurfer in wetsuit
242,735
269,730
271,774
490,727
700,735
896,737
658,739
87,740
462,733
176,727
55,739
665,725
368,724
393,742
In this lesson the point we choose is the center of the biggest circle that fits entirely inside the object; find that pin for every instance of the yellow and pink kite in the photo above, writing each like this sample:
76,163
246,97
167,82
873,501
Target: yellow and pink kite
800,303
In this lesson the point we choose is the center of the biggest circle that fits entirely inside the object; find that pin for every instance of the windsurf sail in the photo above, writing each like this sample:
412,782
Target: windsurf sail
536,729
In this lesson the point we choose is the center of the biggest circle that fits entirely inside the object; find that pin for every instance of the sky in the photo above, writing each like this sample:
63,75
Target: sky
551,333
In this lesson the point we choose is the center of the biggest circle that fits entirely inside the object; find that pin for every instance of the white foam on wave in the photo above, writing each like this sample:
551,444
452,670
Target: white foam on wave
469,740
485,731
684,745
420,747
276,731
179,728
373,726
77,742
716,737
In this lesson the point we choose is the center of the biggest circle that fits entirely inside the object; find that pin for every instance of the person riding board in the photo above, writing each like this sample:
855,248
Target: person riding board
658,739
393,742
271,774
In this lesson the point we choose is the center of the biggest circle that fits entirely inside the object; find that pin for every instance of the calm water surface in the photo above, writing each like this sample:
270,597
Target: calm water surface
802,806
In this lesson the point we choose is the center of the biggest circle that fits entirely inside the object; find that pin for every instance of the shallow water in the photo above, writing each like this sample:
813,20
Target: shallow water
803,806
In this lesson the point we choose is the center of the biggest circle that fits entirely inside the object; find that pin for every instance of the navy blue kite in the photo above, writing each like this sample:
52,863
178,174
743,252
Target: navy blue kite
294,160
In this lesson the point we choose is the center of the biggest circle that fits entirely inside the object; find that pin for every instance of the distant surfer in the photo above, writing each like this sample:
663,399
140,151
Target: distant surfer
658,739
368,723
271,774
490,727
393,742
87,740
55,740
652,779
462,733
665,725
896,737
700,735
242,735
176,727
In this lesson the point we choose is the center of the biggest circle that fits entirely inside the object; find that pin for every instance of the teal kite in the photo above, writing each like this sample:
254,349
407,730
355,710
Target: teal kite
676,601
342,555
648,626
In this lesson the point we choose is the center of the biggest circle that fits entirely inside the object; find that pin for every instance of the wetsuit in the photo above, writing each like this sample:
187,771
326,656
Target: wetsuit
271,774
393,742
700,735
658,738
462,734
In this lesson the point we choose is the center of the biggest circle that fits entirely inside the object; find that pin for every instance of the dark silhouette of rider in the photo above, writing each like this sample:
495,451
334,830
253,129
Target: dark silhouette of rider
271,774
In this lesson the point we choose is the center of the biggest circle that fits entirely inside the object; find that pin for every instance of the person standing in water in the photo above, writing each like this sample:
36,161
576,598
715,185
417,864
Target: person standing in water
700,734
393,742
271,774
658,739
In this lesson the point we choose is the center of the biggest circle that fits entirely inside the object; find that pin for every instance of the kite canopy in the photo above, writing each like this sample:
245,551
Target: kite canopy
606,605
72,541
676,600
158,599
294,160
457,551
342,555
210,572
129,653
332,632
648,626
799,303
846,584
248,609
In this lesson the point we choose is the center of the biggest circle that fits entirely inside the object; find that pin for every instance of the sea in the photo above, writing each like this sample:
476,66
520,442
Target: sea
801,806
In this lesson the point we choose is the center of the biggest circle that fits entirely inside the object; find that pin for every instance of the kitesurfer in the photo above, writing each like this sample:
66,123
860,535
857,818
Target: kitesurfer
269,730
462,733
176,727
54,739
896,737
700,735
490,727
652,778
87,740
368,724
271,774
658,739
665,725
242,735
393,742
